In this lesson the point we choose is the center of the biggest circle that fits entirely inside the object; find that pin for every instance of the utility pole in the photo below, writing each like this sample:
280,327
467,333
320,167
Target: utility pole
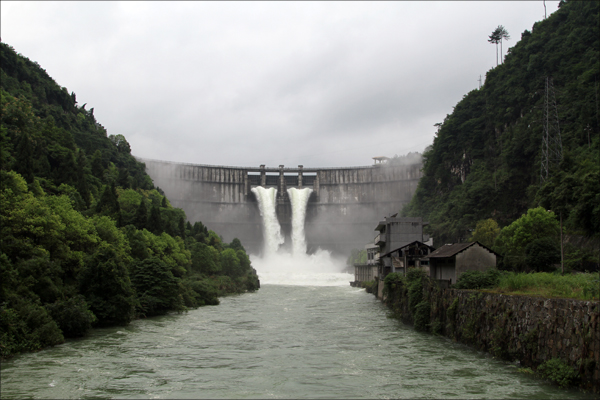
479,81
551,140
544,9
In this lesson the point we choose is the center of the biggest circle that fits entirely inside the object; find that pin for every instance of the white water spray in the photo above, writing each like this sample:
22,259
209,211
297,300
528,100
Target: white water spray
271,229
280,267
299,199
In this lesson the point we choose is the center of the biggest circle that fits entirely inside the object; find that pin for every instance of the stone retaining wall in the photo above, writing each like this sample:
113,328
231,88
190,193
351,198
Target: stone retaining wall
528,329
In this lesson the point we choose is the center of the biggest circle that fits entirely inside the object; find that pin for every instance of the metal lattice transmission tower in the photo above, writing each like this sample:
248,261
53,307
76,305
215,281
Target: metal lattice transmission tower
551,141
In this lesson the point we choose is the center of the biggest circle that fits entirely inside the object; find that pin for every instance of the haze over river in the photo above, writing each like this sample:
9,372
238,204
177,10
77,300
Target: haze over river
283,341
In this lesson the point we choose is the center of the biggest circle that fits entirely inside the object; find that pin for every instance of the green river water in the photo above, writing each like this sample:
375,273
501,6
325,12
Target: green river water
283,341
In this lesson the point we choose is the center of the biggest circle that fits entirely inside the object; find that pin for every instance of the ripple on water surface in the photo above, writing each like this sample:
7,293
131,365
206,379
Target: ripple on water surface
281,342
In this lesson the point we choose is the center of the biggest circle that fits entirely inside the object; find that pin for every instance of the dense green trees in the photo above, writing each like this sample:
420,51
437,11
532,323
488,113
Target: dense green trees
486,232
537,227
85,238
485,159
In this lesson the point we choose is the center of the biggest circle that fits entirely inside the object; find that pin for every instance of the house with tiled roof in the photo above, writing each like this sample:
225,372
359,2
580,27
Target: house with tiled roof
448,262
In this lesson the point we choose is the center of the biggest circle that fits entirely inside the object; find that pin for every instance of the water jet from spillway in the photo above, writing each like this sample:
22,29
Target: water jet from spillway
299,200
279,266
271,229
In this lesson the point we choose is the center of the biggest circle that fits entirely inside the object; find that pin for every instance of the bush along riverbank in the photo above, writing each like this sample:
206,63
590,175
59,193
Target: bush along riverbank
558,339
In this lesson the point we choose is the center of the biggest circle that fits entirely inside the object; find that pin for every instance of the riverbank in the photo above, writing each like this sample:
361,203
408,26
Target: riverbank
282,341
559,338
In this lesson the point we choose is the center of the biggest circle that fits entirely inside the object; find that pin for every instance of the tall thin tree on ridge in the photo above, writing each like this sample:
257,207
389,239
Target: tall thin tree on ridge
503,36
495,38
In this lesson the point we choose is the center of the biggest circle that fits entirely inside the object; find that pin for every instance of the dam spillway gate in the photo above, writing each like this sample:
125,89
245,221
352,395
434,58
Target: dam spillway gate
342,211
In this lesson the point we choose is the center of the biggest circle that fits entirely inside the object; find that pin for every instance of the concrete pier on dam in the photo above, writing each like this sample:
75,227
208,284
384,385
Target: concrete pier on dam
342,211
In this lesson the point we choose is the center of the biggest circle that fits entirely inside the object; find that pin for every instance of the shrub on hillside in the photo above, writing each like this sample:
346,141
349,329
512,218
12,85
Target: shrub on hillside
542,253
478,279
72,316
156,287
391,281
422,316
558,372
208,292
26,327
414,279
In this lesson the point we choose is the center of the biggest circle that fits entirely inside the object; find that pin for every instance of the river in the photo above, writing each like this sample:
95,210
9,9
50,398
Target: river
283,341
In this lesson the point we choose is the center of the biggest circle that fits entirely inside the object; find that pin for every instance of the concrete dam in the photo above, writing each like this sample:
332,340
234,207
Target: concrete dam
341,214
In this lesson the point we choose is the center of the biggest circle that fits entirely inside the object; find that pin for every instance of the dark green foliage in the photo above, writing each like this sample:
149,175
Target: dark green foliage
236,245
155,223
513,240
108,204
107,289
98,164
205,259
181,227
26,327
414,279
199,232
156,287
391,281
75,229
541,254
173,221
230,264
137,243
123,178
452,311
244,260
82,185
485,159
140,220
557,371
252,282
72,316
24,158
207,292
422,316
370,286
478,279
396,286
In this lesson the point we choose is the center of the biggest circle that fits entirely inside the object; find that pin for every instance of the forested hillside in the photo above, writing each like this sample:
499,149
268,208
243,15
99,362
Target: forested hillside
485,161
85,237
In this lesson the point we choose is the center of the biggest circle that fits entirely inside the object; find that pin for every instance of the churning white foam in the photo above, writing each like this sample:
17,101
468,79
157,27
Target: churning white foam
319,269
280,267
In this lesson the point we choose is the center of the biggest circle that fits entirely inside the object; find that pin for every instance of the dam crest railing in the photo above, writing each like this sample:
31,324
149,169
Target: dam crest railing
266,169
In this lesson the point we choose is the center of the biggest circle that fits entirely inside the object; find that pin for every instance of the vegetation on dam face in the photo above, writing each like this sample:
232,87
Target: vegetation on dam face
486,160
86,239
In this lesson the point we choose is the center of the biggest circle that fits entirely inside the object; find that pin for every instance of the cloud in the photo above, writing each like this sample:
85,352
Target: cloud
230,83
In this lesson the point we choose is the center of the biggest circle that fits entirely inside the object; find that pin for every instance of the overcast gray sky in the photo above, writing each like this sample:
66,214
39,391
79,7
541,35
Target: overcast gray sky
248,83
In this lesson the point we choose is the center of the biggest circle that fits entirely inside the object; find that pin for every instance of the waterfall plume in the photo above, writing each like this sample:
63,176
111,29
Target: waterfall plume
279,266
299,199
271,228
